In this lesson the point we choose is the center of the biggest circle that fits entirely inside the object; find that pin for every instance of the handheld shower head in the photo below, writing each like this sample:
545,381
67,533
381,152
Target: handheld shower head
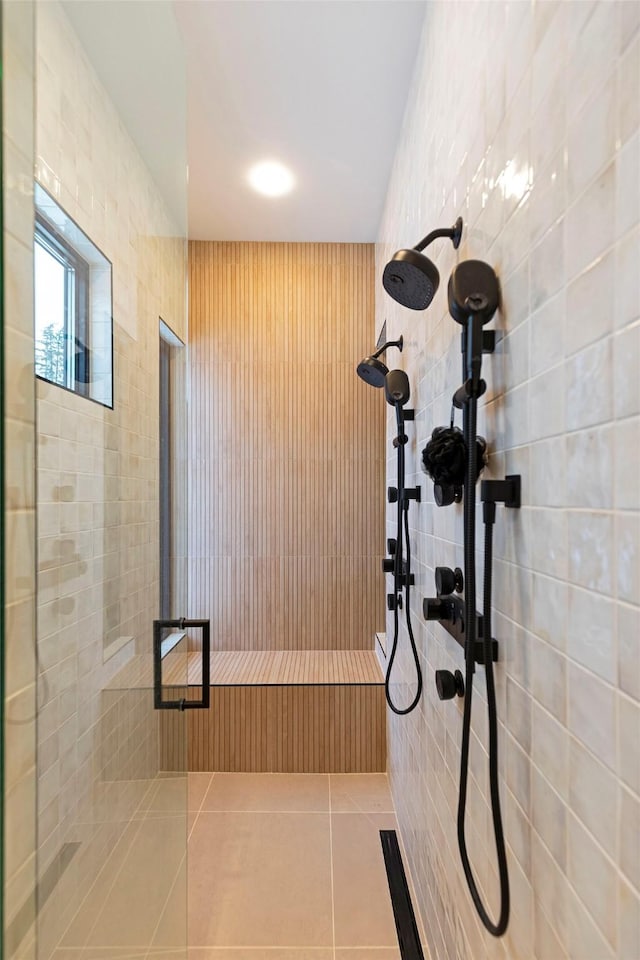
396,387
410,278
374,371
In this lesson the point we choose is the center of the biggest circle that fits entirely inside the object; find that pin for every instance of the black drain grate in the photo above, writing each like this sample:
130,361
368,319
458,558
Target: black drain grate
406,927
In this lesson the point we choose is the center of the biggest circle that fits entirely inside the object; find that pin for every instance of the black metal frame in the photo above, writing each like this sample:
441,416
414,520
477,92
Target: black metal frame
183,704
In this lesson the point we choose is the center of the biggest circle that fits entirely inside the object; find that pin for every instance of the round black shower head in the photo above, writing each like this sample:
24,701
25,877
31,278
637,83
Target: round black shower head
372,371
411,279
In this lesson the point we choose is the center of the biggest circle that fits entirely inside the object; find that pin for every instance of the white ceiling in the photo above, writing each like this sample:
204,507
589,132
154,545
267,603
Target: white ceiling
319,85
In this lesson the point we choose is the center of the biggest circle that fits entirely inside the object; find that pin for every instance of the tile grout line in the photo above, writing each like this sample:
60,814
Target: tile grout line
333,911
150,948
197,812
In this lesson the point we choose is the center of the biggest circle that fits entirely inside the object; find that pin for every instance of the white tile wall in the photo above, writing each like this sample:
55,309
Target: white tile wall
524,119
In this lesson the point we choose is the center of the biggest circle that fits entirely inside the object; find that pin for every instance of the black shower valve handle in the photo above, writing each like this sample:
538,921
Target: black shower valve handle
439,608
400,440
388,565
448,581
449,685
392,494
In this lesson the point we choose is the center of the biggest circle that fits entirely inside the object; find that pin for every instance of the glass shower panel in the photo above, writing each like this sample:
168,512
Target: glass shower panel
112,769
17,522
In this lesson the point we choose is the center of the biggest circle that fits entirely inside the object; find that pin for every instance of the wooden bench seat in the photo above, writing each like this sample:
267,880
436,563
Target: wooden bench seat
289,711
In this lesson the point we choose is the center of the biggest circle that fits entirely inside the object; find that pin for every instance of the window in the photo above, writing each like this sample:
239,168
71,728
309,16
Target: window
73,325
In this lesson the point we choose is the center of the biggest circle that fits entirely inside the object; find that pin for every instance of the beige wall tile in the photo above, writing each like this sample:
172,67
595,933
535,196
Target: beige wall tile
564,249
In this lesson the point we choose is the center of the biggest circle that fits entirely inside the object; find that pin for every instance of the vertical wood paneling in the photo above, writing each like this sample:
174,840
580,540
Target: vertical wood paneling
287,447
284,729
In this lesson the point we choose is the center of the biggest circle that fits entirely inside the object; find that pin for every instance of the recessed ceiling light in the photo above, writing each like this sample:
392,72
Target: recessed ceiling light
271,178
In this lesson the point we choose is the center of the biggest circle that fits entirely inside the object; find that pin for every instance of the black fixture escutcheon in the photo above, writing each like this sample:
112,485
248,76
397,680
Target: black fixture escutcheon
448,580
449,685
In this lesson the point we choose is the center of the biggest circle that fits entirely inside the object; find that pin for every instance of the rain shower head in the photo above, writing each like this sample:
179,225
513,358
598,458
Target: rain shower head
374,371
410,278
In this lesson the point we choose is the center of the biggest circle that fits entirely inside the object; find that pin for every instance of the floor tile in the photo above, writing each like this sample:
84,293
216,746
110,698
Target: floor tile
99,953
135,903
370,953
295,953
198,785
172,928
360,793
169,795
78,930
294,792
260,880
181,954
363,912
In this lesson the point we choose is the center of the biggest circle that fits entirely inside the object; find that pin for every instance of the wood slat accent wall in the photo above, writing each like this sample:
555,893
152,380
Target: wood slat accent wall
282,729
286,461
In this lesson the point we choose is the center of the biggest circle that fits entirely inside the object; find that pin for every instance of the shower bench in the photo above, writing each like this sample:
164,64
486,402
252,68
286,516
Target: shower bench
290,711
285,711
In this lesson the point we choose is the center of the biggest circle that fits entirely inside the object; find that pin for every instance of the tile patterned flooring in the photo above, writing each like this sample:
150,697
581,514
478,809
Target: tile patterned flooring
279,867
299,868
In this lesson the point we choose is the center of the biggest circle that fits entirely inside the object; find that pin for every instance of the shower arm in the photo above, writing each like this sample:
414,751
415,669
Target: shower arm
453,233
399,343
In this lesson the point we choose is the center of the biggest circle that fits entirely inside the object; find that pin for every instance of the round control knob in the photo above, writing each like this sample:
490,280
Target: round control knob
392,494
448,580
388,565
449,685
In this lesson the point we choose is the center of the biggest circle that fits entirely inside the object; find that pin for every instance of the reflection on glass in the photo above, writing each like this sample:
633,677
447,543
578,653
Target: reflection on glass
51,355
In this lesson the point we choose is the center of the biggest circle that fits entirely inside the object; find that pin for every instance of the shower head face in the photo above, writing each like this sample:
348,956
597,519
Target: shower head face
411,279
372,371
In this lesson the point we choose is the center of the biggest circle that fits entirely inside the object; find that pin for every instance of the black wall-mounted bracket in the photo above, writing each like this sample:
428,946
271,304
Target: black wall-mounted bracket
408,414
489,341
449,612
411,493
505,491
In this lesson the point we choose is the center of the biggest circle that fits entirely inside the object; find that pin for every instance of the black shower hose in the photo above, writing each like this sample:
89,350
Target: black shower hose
497,929
403,529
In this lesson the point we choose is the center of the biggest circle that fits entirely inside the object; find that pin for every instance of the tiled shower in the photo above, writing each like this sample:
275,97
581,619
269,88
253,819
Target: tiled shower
523,119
